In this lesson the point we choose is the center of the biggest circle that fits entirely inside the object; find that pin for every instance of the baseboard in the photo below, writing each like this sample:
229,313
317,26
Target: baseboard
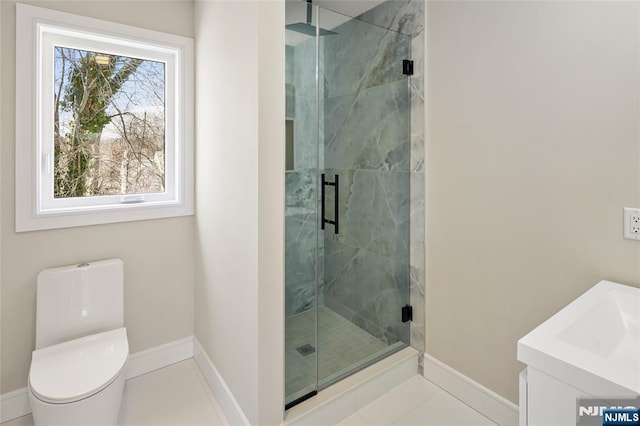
160,356
495,407
16,403
221,391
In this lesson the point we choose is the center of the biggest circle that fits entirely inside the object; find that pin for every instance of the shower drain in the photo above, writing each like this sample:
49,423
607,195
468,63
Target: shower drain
305,350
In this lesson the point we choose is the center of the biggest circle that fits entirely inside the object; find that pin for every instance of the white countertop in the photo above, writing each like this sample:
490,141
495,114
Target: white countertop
593,343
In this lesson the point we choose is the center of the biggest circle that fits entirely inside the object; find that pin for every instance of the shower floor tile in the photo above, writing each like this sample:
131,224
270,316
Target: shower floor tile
340,345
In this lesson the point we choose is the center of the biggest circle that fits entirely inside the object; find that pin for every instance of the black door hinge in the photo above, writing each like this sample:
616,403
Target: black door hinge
407,67
407,313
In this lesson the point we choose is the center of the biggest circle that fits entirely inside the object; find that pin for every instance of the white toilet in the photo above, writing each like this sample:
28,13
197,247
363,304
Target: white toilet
77,370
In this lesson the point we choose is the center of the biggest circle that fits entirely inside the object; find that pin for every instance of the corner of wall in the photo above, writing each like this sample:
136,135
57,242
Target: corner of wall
240,200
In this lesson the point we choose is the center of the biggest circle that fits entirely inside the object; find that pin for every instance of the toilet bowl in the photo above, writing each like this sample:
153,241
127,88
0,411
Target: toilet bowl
78,380
77,370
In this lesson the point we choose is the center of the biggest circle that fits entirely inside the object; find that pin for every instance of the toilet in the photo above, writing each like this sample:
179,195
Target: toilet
77,370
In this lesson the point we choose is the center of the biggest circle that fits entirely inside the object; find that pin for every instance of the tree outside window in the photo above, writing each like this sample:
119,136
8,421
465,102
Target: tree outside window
109,124
107,121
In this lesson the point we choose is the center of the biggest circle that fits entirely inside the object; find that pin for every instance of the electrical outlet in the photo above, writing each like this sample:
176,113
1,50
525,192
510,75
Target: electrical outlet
632,223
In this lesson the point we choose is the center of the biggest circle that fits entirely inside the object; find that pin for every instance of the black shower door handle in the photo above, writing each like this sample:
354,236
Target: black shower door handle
336,217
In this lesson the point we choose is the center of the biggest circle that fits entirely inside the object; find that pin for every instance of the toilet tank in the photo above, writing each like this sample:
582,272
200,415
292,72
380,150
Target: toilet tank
79,300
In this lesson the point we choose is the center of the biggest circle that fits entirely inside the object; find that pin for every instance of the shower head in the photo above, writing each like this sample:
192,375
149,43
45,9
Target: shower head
308,28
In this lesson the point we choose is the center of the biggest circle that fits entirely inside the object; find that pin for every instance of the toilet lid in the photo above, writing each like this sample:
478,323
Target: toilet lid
79,368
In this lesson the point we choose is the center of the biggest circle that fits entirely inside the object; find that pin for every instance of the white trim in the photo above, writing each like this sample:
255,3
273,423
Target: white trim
36,208
523,390
158,357
490,404
16,403
218,386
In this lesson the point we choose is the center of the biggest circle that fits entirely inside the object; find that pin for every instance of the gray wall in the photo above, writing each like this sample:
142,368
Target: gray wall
158,254
533,152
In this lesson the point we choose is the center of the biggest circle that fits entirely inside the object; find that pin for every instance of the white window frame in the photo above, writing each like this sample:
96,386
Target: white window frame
38,30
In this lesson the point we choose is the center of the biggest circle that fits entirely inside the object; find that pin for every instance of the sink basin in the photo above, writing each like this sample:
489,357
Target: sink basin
593,343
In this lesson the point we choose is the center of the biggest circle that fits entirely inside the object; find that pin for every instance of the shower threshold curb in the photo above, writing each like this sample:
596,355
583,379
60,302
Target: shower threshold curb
345,397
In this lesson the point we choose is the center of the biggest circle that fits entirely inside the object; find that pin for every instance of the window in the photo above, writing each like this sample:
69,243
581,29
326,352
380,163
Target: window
104,128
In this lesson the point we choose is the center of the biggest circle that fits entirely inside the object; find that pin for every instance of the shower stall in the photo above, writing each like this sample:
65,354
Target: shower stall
348,155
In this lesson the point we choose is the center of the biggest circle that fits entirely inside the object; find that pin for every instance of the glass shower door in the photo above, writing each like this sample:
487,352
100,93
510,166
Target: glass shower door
347,192
301,210
365,148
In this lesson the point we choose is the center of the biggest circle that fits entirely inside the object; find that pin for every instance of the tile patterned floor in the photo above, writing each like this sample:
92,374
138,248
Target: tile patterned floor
343,345
179,396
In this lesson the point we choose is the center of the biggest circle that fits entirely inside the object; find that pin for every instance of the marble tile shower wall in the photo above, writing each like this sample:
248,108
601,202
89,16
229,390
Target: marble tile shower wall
378,250
407,17
357,267
303,251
